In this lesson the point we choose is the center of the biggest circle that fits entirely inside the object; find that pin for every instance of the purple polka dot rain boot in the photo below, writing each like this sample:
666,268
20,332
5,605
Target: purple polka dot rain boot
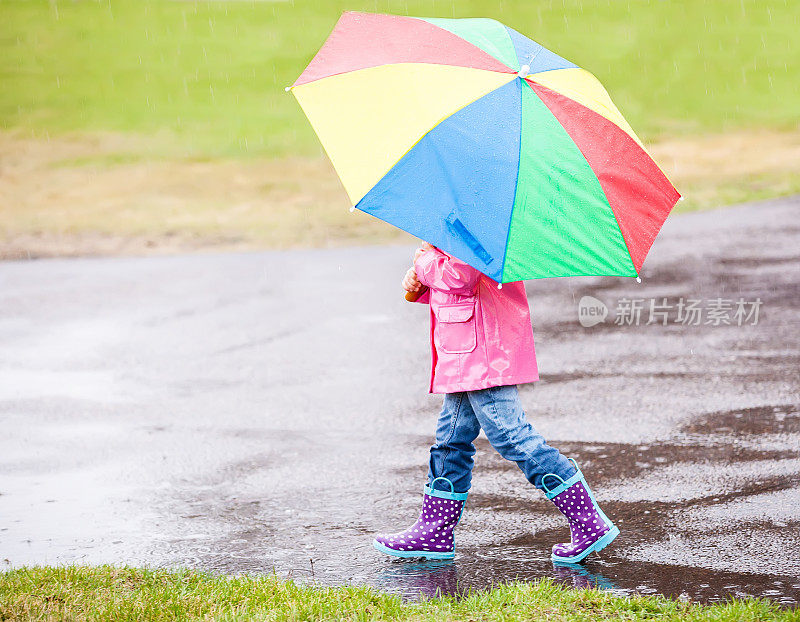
431,536
590,528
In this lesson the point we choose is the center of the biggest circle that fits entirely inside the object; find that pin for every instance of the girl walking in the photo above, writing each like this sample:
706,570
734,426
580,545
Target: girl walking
482,348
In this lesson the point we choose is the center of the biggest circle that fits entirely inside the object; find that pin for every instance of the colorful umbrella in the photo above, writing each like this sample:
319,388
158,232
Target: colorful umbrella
471,136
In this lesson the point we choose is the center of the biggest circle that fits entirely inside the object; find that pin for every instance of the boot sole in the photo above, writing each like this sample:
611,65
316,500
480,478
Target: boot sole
597,546
426,554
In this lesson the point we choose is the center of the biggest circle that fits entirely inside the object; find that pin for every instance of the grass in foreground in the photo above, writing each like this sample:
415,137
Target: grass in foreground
119,594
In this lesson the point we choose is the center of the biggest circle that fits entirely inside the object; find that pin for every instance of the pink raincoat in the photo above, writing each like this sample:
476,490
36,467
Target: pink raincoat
481,336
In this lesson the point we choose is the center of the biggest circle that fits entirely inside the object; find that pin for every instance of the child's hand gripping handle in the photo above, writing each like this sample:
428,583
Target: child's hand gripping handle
414,296
411,280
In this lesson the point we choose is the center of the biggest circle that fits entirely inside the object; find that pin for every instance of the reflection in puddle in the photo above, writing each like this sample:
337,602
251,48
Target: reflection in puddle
468,573
580,577
428,579
419,579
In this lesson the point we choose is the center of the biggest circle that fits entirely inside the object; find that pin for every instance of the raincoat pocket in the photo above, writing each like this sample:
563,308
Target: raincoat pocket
456,327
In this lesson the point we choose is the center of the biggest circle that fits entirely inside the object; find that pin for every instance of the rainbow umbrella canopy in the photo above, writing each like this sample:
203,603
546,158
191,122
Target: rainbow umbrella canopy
469,135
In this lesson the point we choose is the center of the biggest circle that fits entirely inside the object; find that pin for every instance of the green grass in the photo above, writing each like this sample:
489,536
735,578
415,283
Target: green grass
209,76
119,594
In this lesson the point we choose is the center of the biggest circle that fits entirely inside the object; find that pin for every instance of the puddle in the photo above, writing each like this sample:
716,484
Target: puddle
783,418
207,426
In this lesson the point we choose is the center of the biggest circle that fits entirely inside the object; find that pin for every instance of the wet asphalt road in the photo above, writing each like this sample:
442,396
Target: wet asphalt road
259,411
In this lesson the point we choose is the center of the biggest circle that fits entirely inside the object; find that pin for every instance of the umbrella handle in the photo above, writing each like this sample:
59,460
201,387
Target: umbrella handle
414,296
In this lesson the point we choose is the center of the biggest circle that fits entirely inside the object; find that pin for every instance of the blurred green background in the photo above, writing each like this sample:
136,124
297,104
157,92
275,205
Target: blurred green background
128,82
213,73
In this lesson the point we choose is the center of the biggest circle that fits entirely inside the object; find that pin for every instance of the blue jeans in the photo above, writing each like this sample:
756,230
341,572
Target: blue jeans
499,412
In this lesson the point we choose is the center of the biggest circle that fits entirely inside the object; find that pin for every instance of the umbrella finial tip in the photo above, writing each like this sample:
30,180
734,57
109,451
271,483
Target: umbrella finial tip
499,286
287,89
523,71
352,208
638,279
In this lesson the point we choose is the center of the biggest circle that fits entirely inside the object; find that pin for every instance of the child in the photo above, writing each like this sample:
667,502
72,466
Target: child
482,347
